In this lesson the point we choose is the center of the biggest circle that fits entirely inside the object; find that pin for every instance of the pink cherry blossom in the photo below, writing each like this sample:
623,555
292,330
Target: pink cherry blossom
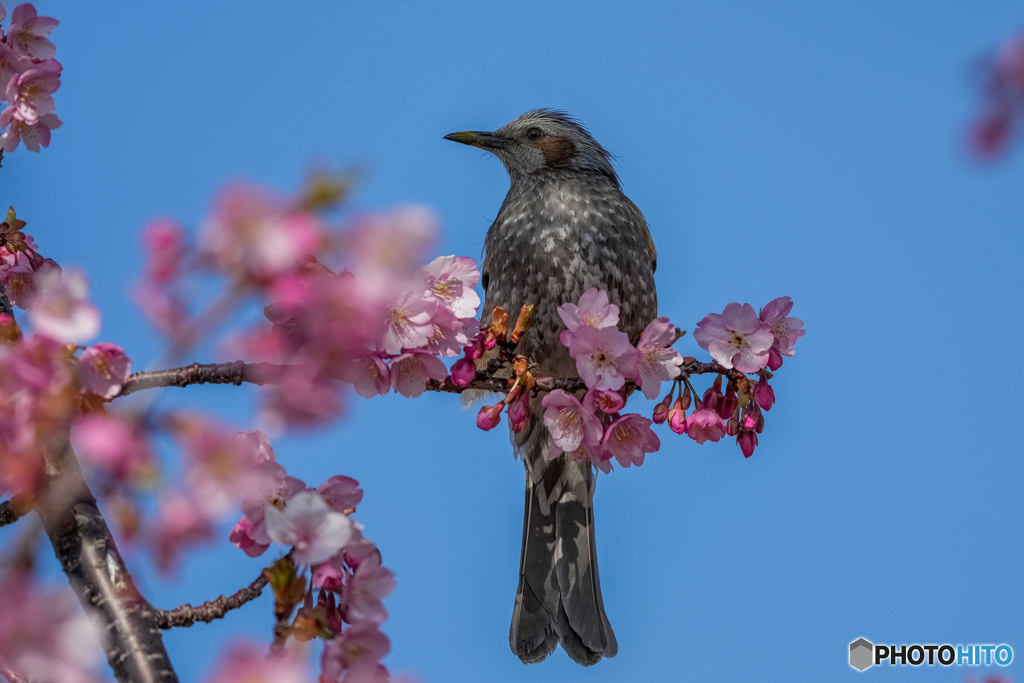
410,372
180,523
60,307
604,356
11,64
658,362
362,595
608,402
358,647
387,251
787,331
569,422
369,375
44,634
267,484
736,338
629,439
164,242
410,322
661,410
341,493
220,466
519,412
253,235
593,310
449,334
28,31
34,135
246,662
310,526
452,279
241,538
103,368
705,425
588,455
111,444
31,94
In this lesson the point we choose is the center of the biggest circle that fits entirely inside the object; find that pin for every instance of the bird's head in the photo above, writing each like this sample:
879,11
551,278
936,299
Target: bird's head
541,141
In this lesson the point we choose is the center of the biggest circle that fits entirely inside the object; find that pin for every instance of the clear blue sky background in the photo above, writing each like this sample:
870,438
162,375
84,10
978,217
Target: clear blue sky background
787,148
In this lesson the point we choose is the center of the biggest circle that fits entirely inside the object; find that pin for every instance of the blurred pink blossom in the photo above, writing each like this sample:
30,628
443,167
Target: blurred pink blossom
164,242
31,94
310,526
369,375
180,523
111,444
246,662
341,493
369,584
387,252
103,368
34,135
736,338
60,308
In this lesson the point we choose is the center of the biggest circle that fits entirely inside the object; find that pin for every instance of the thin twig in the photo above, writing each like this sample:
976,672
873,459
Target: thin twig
238,372
186,615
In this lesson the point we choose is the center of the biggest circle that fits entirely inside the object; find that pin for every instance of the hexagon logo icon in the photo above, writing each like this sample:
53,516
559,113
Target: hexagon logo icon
861,654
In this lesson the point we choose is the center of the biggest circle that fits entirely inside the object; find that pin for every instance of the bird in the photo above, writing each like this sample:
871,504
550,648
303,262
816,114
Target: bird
564,227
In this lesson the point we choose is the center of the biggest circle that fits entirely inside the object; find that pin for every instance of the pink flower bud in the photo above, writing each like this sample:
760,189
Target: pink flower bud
764,394
677,417
747,441
687,398
489,416
661,411
463,372
728,404
732,427
519,412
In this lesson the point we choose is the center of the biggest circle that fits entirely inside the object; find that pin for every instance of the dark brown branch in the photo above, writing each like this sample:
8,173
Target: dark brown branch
238,372
98,575
186,615
14,509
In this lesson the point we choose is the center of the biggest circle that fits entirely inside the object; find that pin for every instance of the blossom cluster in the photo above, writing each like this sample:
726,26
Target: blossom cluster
29,75
593,428
992,132
379,320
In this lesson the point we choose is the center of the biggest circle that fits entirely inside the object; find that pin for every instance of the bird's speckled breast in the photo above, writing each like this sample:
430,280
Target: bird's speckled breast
556,236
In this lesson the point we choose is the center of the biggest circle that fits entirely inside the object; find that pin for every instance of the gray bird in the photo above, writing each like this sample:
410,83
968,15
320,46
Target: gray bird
564,227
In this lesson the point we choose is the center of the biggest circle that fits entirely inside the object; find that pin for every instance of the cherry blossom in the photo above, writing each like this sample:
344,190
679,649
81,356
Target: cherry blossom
629,439
704,425
736,338
11,64
463,372
369,375
452,279
34,135
310,526
112,445
60,308
410,322
606,401
363,592
164,242
44,635
658,362
570,423
410,372
103,368
489,416
359,646
604,356
246,662
31,94
787,331
386,252
180,523
341,493
28,31
274,487
593,310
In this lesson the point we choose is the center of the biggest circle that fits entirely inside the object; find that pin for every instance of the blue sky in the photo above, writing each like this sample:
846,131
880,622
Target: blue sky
788,148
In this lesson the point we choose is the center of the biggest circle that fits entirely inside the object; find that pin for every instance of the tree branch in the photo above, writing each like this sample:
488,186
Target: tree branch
186,615
98,575
14,509
238,372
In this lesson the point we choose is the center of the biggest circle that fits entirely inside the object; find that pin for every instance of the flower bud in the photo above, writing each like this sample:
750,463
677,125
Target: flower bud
732,427
463,372
677,418
729,403
489,416
764,394
687,398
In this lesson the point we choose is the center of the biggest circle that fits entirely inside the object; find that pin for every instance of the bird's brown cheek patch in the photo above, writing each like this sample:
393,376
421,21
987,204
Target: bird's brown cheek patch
558,152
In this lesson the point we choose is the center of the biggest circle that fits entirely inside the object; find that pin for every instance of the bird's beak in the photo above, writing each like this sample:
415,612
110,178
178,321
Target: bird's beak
474,138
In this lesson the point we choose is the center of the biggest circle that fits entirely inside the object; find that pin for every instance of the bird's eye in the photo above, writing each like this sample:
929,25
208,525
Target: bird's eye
534,133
